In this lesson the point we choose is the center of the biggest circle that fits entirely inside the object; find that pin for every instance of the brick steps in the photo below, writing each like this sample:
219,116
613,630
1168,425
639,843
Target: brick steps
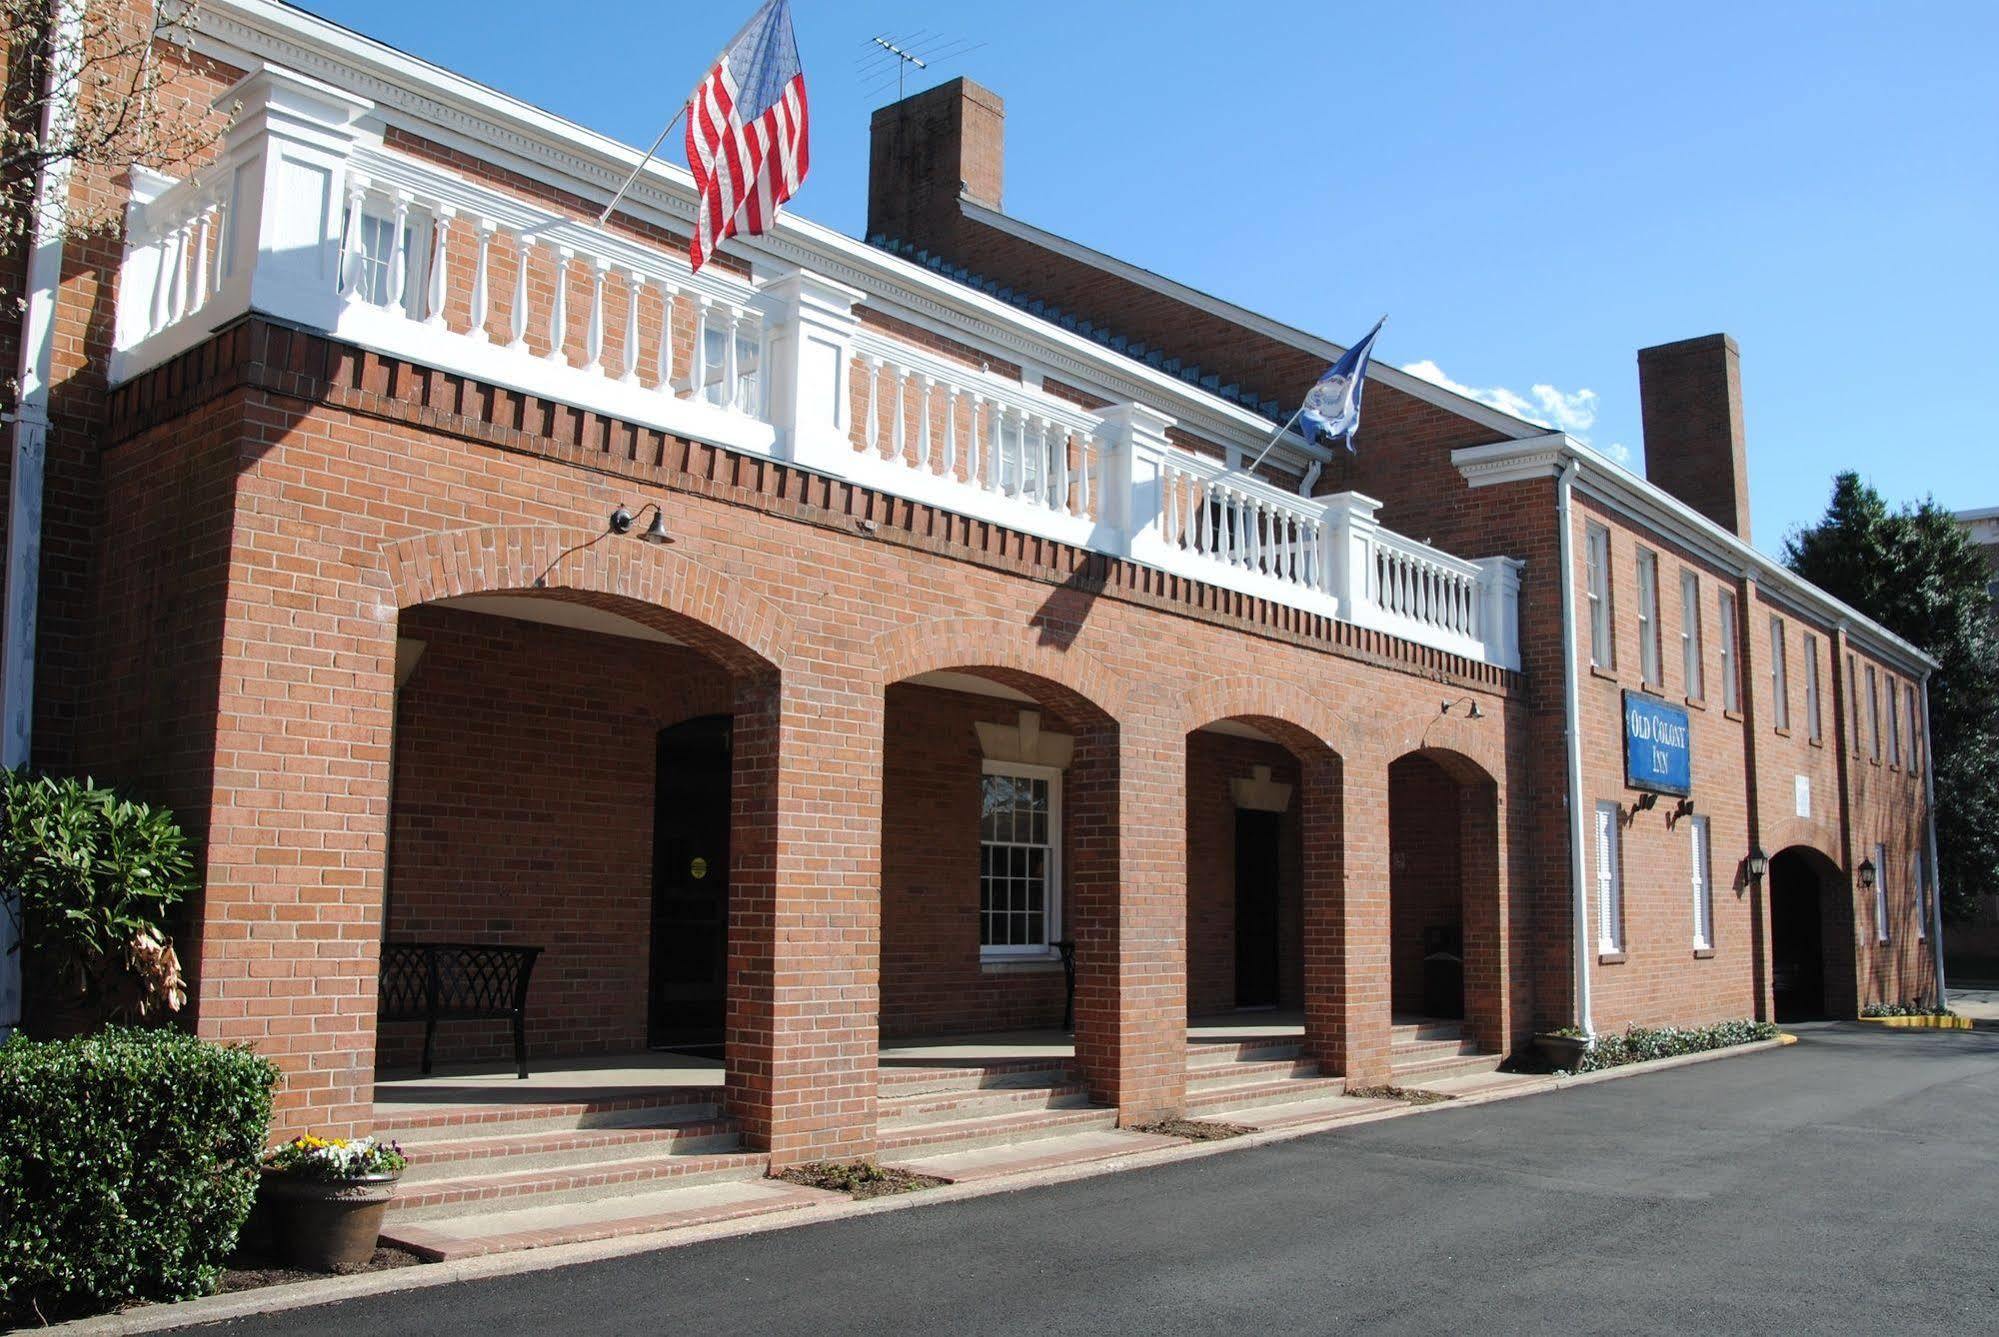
929,1107
897,1080
1429,1070
448,1156
550,1186
951,1135
470,1234
1044,1153
1325,1110
1202,1104
1206,1076
658,1105
1207,1053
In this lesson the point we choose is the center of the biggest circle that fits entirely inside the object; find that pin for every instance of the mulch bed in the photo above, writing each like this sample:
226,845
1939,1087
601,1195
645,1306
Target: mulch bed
1195,1130
1409,1094
857,1179
248,1272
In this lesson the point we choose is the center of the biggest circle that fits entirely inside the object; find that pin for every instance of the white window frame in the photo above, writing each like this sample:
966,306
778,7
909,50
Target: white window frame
1921,889
1881,893
1895,757
1051,921
1780,676
1915,730
1596,582
1873,714
1650,671
373,271
1853,693
1814,728
1609,879
1731,674
1701,855
1690,637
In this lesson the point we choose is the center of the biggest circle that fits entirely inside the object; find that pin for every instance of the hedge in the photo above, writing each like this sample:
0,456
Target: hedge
128,1162
1642,1044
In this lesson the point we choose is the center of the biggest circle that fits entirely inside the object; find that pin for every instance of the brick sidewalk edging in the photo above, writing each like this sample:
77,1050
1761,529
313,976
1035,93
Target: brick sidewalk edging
331,1290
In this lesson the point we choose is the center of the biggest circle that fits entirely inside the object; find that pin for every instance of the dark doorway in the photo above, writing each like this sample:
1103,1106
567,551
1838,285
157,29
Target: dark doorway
690,887
1798,915
1256,846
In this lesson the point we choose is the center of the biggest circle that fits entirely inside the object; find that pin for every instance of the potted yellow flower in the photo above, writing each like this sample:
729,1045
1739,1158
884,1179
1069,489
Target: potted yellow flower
327,1197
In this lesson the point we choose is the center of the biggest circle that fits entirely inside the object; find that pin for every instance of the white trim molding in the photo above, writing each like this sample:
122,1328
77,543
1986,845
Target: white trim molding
1646,504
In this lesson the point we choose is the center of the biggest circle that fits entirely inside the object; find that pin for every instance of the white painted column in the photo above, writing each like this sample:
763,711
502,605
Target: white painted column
558,311
482,296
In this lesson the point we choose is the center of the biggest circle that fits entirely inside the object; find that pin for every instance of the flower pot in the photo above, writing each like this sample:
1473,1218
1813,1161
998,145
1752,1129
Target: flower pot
1562,1051
327,1225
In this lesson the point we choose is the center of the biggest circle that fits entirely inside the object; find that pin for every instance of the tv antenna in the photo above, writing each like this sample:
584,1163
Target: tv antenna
918,50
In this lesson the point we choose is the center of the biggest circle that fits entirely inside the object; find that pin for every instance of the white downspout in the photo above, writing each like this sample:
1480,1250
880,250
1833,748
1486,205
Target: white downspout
1572,727
1930,833
30,422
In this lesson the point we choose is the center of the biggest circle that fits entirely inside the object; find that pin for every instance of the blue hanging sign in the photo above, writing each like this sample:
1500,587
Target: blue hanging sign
1658,754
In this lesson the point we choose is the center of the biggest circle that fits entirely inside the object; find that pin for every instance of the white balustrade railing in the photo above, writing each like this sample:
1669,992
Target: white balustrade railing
980,441
307,219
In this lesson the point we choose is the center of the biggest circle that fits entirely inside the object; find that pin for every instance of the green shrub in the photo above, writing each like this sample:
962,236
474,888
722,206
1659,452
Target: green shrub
1641,1044
97,879
128,1162
1906,1009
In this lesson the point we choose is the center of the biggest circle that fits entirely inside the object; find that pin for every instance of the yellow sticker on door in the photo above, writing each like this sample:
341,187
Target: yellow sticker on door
698,869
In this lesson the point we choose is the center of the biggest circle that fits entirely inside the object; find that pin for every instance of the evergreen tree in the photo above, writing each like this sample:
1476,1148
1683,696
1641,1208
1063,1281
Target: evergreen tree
1915,571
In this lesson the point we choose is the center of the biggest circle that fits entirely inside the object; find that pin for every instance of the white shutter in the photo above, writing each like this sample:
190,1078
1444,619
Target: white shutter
1921,892
1880,885
1703,908
1610,932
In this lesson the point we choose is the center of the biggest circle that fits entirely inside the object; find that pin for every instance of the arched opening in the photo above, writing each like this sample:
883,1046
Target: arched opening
999,883
1446,945
562,782
1264,906
1811,937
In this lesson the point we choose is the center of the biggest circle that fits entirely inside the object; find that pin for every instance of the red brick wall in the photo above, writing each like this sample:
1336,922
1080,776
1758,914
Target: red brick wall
523,815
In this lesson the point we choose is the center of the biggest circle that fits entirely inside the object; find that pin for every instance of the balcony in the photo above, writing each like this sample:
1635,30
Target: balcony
308,218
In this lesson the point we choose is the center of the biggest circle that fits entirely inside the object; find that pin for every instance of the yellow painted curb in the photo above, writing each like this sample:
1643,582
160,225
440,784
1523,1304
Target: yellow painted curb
1786,1038
1920,1023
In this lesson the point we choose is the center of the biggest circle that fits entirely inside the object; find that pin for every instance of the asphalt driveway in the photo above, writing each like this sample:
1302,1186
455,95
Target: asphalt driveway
1849,1183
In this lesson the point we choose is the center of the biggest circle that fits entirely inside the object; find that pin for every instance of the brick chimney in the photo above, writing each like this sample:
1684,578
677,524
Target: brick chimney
924,149
1691,396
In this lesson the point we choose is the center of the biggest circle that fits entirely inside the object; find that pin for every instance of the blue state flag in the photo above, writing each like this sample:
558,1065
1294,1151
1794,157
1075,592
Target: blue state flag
1332,407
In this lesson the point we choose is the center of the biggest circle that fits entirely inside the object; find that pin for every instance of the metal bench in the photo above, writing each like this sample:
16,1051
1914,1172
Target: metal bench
457,981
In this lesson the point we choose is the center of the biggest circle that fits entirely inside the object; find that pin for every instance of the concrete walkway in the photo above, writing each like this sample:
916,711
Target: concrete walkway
1980,1002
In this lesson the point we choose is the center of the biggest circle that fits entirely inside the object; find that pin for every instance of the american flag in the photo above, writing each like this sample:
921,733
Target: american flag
746,131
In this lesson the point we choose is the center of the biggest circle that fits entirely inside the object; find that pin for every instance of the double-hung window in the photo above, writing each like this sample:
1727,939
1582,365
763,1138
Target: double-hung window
1702,880
1780,677
1020,859
1895,757
1919,889
1649,670
1915,729
386,264
1853,698
1690,635
1731,675
1812,726
1873,714
1609,881
1881,893
1596,570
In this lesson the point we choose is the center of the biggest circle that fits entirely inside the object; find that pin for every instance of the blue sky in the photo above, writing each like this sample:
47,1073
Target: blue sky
1532,192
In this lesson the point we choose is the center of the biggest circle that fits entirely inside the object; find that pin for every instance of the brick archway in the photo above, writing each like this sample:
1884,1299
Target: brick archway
742,630
1080,682
1448,887
1304,722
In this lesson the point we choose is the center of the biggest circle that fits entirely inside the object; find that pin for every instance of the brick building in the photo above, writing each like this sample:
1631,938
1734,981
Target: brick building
967,642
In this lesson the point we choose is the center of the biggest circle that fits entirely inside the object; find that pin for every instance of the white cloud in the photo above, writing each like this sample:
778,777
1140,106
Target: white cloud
1564,411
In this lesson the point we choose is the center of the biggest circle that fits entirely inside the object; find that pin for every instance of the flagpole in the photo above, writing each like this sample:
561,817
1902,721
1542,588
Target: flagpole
643,161
1279,433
